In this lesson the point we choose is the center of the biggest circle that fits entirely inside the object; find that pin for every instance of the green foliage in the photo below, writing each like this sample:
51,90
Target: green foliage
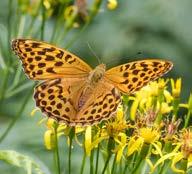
17,159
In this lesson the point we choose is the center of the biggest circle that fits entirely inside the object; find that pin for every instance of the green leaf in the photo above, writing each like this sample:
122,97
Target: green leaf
16,159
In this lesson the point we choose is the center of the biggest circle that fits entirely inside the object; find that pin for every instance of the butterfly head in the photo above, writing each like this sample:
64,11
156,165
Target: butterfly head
97,74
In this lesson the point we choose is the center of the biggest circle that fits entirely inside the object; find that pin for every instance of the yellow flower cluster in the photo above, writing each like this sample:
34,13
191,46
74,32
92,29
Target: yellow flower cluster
146,125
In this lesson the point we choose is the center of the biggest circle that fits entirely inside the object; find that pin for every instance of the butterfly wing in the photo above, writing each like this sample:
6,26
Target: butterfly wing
101,105
56,99
130,77
44,61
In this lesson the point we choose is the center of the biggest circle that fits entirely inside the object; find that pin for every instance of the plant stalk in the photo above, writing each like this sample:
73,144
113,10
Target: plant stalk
97,159
83,163
56,152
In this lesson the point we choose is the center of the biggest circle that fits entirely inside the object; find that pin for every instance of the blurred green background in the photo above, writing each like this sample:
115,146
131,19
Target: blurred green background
155,28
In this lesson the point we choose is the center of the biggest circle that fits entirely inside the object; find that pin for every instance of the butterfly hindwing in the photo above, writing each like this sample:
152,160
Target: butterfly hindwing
130,77
56,98
101,105
44,61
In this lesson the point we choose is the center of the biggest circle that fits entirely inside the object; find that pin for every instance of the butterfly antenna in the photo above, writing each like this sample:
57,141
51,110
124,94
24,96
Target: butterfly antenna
115,60
93,52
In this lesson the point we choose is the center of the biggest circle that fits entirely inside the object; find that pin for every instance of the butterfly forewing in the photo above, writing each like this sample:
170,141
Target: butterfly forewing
130,77
44,61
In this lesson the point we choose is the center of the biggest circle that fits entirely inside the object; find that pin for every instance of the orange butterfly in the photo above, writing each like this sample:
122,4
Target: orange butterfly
73,92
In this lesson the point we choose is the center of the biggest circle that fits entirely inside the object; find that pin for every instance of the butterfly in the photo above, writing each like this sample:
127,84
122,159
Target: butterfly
74,93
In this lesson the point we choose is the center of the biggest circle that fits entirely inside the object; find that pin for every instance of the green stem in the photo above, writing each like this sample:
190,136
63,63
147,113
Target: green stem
17,90
4,84
30,28
106,163
133,159
83,163
71,135
16,78
69,160
121,167
43,20
56,152
91,162
58,21
187,119
125,169
5,81
97,159
110,146
20,20
9,23
26,99
114,165
21,26
175,104
164,168
136,167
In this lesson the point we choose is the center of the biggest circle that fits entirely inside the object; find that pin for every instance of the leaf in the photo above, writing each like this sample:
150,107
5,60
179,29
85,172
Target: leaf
17,159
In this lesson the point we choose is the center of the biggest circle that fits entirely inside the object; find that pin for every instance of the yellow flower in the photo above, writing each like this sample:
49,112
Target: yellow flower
88,140
49,139
120,114
113,130
162,83
183,152
157,148
49,135
122,142
154,88
176,87
165,108
133,109
117,125
47,4
160,161
146,97
149,135
92,141
134,144
112,4
168,96
34,111
179,158
50,123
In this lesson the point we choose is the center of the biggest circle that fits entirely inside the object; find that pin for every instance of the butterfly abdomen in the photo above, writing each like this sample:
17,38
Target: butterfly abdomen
85,94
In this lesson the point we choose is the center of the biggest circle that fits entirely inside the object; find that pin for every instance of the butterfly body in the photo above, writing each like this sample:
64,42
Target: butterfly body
97,74
74,93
